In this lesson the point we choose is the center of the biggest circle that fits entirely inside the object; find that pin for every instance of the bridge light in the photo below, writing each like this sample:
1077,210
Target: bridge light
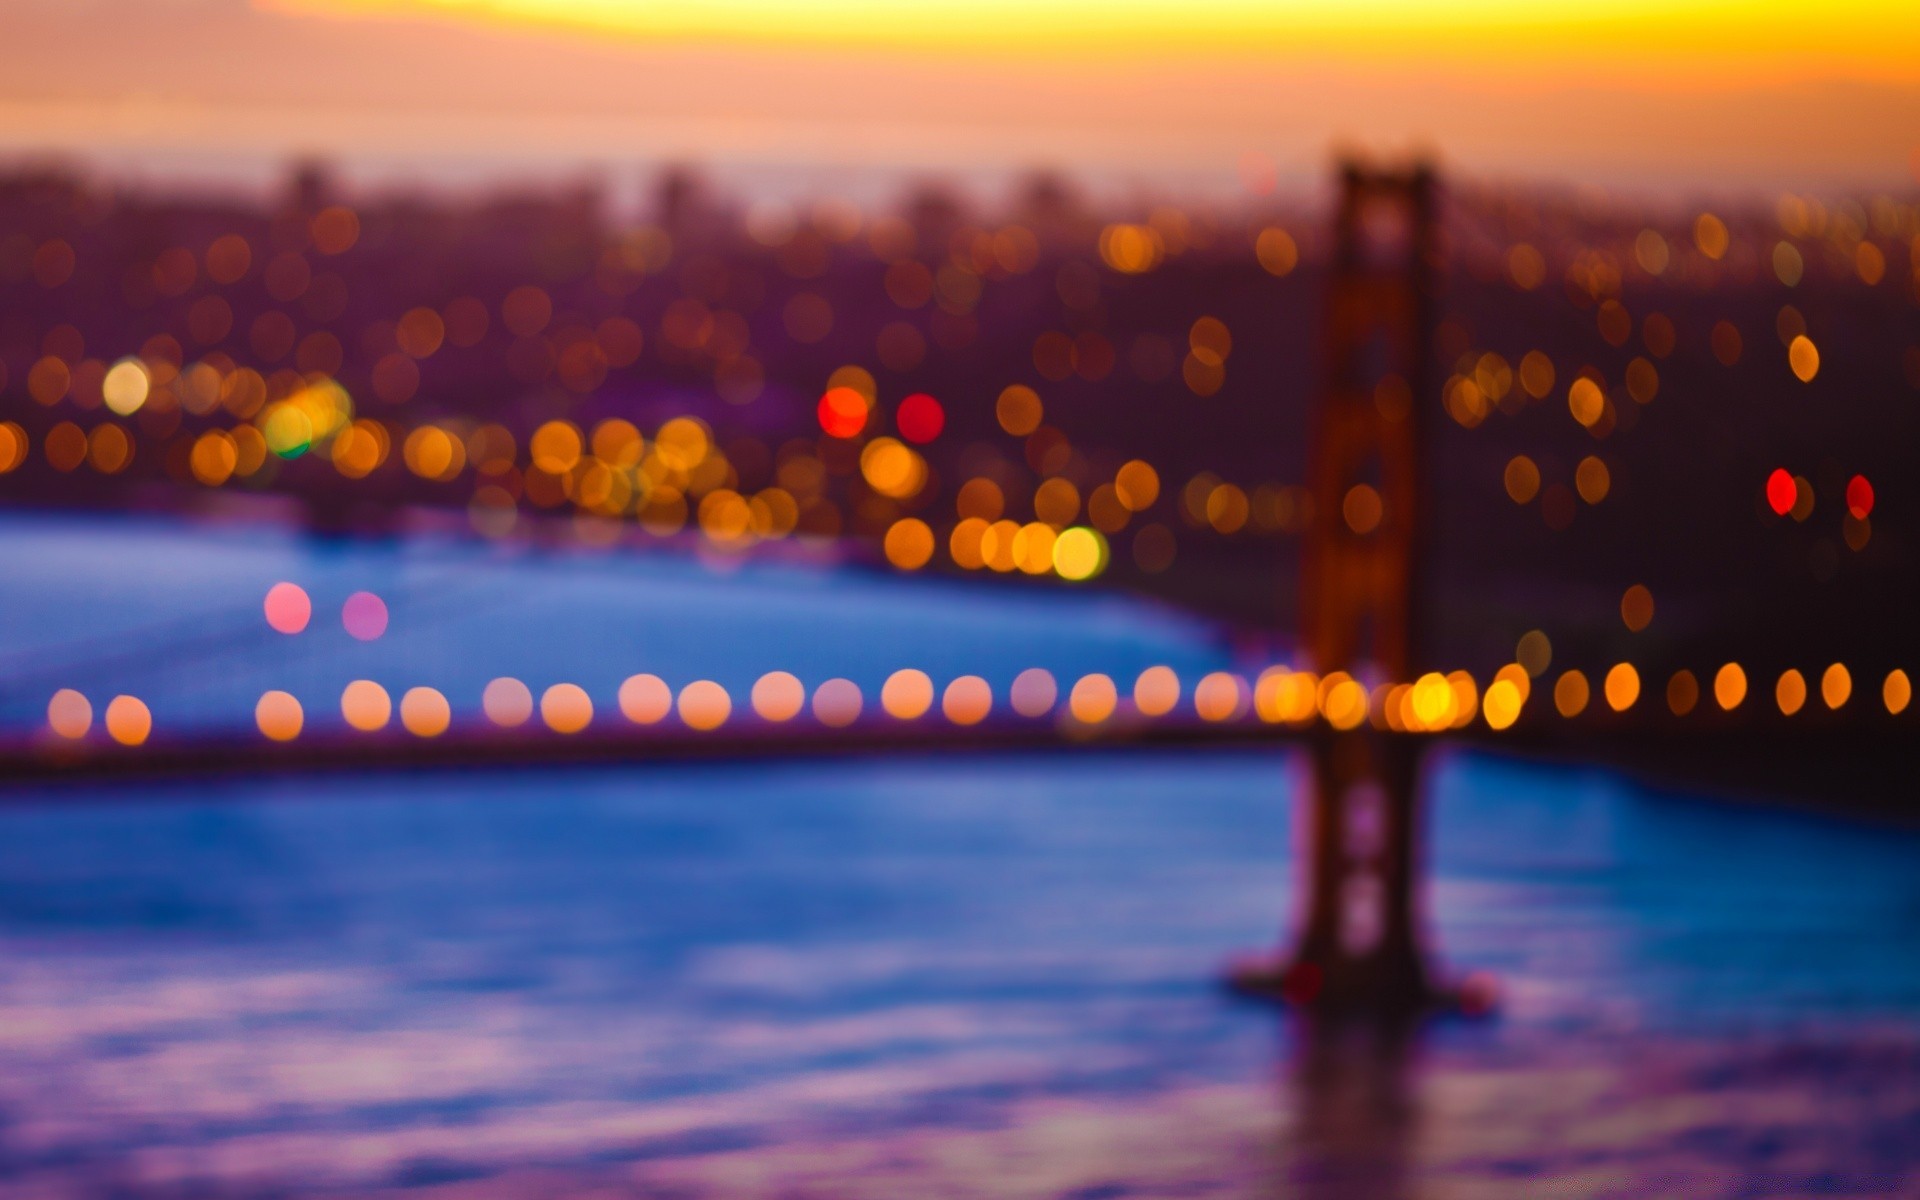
1093,699
778,696
837,703
1570,694
1156,691
704,705
1683,693
1897,692
128,720
1790,693
907,694
565,707
1220,696
1502,704
1622,687
1729,686
69,714
508,703
1836,685
967,700
1034,692
365,705
278,715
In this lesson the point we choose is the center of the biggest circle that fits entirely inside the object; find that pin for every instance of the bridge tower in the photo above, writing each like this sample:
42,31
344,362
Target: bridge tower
1359,943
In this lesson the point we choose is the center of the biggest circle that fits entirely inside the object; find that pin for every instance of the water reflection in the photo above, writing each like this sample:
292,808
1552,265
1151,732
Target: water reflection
1354,1091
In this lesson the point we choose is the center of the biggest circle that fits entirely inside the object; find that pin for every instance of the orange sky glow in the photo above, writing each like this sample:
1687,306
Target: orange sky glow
1688,94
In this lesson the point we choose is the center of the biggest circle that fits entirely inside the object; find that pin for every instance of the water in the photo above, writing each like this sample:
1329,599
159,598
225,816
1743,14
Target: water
992,976
617,977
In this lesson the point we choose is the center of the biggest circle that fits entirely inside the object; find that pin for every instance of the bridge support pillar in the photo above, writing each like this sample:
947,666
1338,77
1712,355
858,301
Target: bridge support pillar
1359,941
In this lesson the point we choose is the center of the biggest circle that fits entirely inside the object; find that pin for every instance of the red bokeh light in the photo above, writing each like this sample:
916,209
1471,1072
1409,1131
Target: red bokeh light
1859,497
1781,492
843,412
920,418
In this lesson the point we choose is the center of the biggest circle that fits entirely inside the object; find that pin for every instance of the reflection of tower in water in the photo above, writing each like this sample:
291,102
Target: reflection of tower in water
1355,1105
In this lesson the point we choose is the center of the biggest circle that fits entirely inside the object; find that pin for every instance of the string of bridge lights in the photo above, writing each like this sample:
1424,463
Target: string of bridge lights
1277,695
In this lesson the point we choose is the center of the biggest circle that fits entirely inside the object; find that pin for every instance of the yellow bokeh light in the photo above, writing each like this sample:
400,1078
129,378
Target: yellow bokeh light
1790,693
126,386
1804,357
1156,691
1432,701
909,544
565,707
778,696
279,716
365,705
1586,401
1836,685
1622,687
1729,686
1079,553
703,705
424,712
1344,704
907,694
1897,692
1093,699
555,447
128,720
1502,704
967,700
1219,696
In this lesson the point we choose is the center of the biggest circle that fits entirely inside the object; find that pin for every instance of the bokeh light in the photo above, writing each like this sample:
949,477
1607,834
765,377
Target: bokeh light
364,615
69,714
288,608
1092,699
1729,686
837,703
646,700
566,708
907,694
279,716
365,705
128,720
424,712
1034,692
778,696
967,700
703,704
1790,692
1156,691
508,702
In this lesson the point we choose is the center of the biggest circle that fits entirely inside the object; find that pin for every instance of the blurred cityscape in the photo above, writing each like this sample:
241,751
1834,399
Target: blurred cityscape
1699,411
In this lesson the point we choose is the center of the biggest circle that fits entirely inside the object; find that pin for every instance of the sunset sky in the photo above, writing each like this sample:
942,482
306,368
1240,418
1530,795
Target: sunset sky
1178,96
